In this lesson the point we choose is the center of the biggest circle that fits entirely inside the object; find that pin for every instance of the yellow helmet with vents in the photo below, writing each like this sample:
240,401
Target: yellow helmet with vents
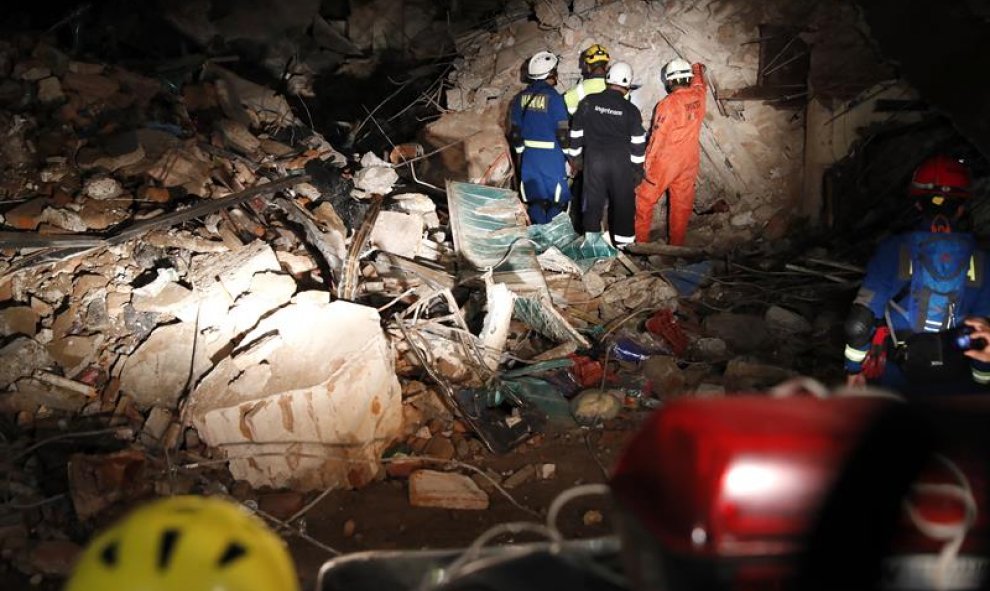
186,543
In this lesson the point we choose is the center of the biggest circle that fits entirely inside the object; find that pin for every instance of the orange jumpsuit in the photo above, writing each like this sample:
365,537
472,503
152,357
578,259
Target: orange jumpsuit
672,159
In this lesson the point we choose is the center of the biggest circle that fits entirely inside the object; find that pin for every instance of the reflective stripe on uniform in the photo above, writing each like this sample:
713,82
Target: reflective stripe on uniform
855,355
577,133
623,239
981,377
581,92
971,274
522,192
556,194
637,159
639,139
541,145
574,152
519,149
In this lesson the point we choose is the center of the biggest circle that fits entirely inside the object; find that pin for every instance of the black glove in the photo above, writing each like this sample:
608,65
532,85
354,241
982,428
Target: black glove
637,173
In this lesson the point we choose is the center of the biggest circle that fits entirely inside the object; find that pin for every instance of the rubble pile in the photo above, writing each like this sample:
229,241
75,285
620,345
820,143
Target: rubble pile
751,162
200,294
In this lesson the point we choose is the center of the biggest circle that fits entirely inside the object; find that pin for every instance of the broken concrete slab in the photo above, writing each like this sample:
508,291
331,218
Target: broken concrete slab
158,422
445,490
314,411
158,371
171,299
74,352
21,320
267,292
398,233
20,358
233,270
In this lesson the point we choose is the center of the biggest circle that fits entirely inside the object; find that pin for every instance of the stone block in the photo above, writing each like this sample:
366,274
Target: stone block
445,490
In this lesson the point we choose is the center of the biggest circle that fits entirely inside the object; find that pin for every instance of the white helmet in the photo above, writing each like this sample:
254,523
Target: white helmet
541,64
676,71
621,74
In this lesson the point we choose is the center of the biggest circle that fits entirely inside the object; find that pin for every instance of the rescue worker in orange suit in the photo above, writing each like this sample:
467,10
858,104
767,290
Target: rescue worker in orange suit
673,152
538,134
919,290
607,132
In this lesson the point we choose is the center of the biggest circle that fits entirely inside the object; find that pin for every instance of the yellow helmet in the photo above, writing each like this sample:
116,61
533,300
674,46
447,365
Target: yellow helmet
186,544
595,54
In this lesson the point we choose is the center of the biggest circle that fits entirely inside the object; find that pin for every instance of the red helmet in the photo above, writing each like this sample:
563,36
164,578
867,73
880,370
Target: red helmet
941,175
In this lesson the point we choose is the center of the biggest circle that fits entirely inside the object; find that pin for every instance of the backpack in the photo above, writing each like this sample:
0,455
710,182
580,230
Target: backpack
939,267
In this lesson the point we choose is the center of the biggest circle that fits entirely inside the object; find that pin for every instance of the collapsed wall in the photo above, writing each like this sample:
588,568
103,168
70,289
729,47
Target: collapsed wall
751,155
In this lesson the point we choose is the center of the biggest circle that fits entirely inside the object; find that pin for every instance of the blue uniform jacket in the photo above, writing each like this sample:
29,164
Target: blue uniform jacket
886,281
537,111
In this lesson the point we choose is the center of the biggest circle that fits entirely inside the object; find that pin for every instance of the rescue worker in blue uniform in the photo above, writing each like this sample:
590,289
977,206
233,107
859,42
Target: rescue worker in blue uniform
607,133
918,290
538,133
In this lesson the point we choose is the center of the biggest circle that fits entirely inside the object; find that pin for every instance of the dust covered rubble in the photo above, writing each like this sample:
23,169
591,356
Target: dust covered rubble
751,159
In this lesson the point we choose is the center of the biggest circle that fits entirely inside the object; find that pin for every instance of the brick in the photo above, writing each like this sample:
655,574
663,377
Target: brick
445,490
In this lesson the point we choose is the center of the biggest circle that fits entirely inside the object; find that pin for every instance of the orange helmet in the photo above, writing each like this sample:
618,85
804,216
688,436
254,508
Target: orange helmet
941,175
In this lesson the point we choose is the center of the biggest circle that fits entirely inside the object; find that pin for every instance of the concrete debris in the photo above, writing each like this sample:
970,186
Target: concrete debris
377,177
19,320
418,204
595,406
519,477
153,433
54,557
744,374
445,490
398,233
666,378
743,333
158,372
97,482
21,358
310,385
103,188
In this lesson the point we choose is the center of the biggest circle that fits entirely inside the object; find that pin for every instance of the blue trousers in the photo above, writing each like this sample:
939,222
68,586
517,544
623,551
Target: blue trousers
543,184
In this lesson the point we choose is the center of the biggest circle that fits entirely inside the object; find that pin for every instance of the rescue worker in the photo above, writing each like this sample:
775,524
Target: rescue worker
919,288
594,65
673,152
607,132
538,132
593,62
186,543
